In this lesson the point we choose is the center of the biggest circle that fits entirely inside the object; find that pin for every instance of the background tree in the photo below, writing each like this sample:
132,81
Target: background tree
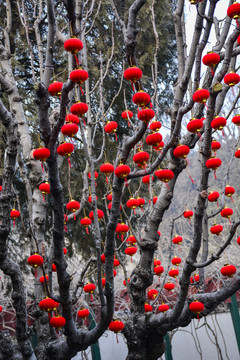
114,36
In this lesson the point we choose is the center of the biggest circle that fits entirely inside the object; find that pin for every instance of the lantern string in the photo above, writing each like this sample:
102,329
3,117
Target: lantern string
87,231
76,58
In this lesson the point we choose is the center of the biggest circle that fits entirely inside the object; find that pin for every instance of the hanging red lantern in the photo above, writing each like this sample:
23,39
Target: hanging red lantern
236,120
146,115
95,175
218,123
54,267
127,114
133,74
55,88
70,118
35,260
164,175
0,188
107,169
79,108
42,279
169,286
103,281
188,214
238,240
216,145
152,294
163,308
233,11
211,59
41,154
132,203
90,199
109,197
124,282
176,261
147,307
154,139
155,125
116,262
155,198
103,258
156,262
110,206
44,188
47,304
73,206
65,149
226,212
158,270
65,251
195,125
146,179
86,222
196,307
131,240
111,128
57,322
231,78
229,191
140,158
14,214
177,239
141,202
89,289
69,129
194,279
213,163
116,326
100,214
141,98
159,147
213,196
216,229
73,45
79,76
83,313
122,229
181,151
173,272
201,96
130,250
228,270
237,153
122,171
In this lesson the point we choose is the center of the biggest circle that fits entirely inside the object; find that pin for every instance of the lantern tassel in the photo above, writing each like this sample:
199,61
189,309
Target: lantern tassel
215,176
223,133
126,182
43,197
200,136
14,223
231,199
106,179
65,228
87,231
217,204
229,221
167,186
131,259
237,23
76,58
82,92
91,297
133,87
69,162
116,137
134,210
42,167
212,72
122,237
128,124
49,315
74,216
205,104
198,317
117,338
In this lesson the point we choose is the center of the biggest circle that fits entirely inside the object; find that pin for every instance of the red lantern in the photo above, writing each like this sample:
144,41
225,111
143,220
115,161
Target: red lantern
177,239
231,78
236,120
130,250
173,273
35,260
79,108
147,307
229,191
83,313
195,125
107,169
141,98
164,175
146,179
44,188
65,149
100,214
95,175
42,279
103,258
156,262
55,88
237,153
146,115
69,129
65,251
213,163
176,261
79,76
213,196
57,321
169,286
73,45
132,203
216,145
196,307
111,128
1,308
122,229
181,151
141,202
41,154
86,222
122,171
109,197
163,308
194,279
159,147
154,139
116,262
116,326
48,304
238,240
133,74
158,270
70,118
155,125
73,206
201,96
90,199
124,282
0,188
54,267
188,214
218,123
226,212
140,158
228,270
127,114
211,59
103,281
131,240
14,214
89,289
233,11
155,198
216,229
152,294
